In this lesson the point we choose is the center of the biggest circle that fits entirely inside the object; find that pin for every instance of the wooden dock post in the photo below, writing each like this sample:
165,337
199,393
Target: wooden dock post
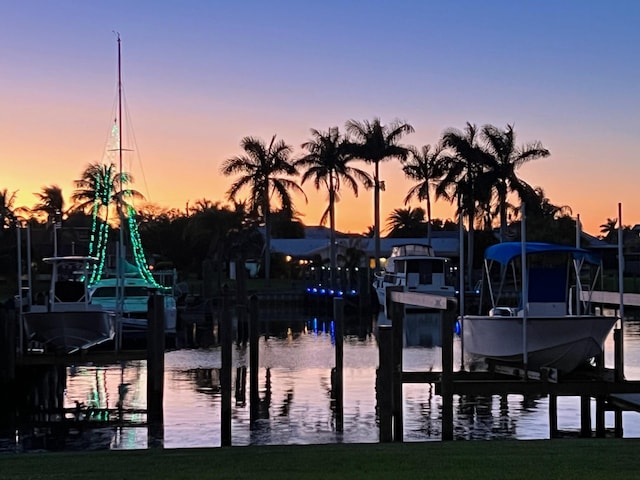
618,355
254,361
155,370
553,416
384,384
446,322
585,416
397,326
337,387
600,416
225,371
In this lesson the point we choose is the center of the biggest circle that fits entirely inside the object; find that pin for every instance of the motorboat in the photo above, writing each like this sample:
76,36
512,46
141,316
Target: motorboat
68,321
542,318
133,309
414,268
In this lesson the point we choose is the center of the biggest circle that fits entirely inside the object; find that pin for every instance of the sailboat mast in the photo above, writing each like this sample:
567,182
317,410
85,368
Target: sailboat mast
119,203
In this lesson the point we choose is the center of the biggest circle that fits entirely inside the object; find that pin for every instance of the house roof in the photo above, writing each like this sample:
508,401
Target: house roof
444,244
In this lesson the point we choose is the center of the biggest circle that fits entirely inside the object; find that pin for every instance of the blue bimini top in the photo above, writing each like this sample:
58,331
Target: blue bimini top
507,251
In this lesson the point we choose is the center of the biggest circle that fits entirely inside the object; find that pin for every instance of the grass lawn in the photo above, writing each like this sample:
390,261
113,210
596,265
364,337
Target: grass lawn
581,459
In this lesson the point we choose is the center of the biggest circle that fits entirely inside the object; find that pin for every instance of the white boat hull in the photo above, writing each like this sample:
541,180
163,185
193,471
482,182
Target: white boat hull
560,342
69,331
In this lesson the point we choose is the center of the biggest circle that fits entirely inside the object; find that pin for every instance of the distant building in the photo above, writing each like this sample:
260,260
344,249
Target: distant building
316,243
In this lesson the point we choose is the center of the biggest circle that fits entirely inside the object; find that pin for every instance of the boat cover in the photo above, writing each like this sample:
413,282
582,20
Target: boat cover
507,251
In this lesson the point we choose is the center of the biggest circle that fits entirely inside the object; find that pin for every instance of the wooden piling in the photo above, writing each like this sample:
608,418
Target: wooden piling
600,416
553,416
585,416
385,383
397,326
155,370
446,322
225,371
338,378
618,355
254,361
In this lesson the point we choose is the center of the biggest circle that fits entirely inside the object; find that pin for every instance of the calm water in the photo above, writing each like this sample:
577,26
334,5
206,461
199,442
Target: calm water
295,384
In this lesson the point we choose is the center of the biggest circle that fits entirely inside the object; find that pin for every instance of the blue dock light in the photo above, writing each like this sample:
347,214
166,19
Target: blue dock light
457,329
340,293
322,291
352,292
331,292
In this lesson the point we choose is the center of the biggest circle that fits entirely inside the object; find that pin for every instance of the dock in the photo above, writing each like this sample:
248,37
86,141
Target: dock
608,387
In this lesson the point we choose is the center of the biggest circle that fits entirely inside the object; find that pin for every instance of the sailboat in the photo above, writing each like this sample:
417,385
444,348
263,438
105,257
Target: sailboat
127,289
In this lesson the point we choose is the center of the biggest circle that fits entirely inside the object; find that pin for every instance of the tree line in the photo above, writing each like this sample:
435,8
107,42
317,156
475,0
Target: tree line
474,169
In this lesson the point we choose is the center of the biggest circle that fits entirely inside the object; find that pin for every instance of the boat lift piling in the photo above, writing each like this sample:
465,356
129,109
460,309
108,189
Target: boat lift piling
608,387
155,370
337,373
226,338
391,375
254,351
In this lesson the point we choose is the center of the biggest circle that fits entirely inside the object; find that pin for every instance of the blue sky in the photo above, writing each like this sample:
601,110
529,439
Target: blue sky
199,76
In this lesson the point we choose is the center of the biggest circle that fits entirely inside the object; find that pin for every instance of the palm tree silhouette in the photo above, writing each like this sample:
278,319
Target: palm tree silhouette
425,167
406,222
8,217
375,143
326,164
504,159
51,203
258,171
465,181
100,187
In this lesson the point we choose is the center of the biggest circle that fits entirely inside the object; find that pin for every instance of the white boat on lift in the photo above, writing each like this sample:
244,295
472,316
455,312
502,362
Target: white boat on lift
133,312
535,320
414,268
68,322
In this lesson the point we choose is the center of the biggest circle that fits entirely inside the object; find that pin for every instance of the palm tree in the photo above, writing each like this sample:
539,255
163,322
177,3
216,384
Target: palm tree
424,166
506,158
8,217
326,164
465,181
258,171
375,143
406,222
100,187
609,229
51,203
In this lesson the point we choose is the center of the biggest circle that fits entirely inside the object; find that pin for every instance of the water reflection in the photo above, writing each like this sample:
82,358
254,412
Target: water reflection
295,397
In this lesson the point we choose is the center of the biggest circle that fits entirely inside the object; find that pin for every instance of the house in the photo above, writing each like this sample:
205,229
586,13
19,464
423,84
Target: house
317,243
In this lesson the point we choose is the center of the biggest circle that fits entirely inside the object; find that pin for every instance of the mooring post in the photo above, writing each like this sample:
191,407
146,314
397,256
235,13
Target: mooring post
553,415
254,361
618,430
397,325
600,416
225,371
8,400
384,384
337,378
585,416
446,323
618,354
155,370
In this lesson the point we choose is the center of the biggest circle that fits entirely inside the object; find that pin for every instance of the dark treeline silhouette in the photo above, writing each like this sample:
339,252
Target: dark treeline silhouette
474,170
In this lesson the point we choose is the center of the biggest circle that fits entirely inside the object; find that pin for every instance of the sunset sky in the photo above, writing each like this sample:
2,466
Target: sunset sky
200,75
